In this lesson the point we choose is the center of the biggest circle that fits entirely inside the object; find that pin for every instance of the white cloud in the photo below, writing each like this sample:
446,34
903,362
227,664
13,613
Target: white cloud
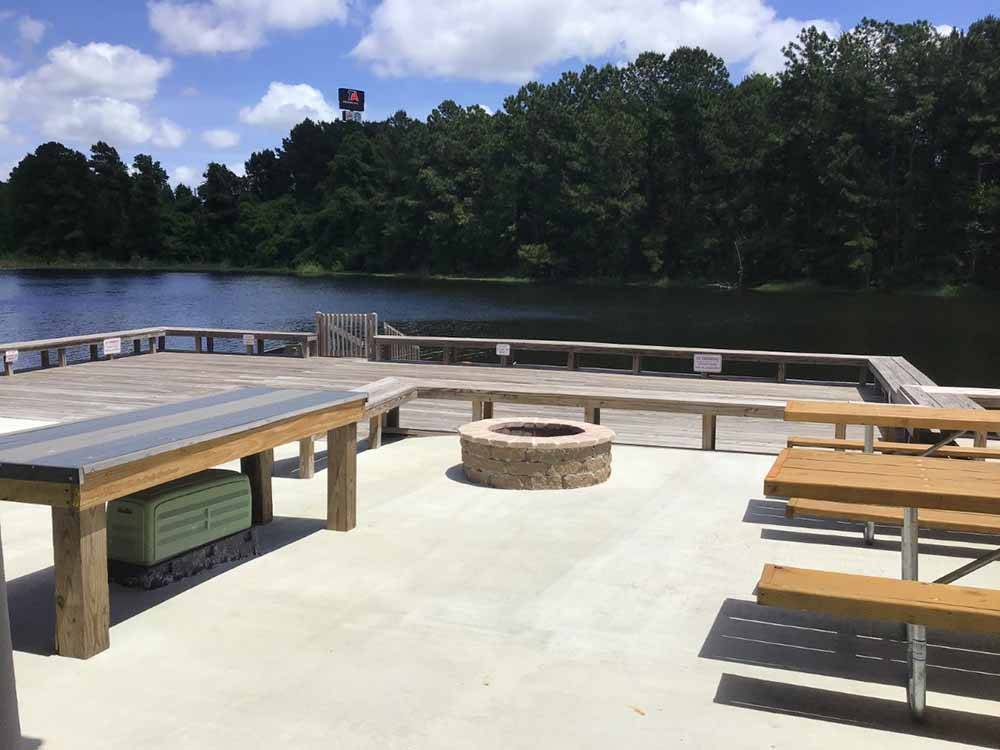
944,29
238,168
99,69
189,176
287,104
103,118
236,25
92,92
31,30
485,109
512,41
221,138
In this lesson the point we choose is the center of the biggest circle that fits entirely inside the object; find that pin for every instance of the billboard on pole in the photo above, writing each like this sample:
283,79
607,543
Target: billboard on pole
351,99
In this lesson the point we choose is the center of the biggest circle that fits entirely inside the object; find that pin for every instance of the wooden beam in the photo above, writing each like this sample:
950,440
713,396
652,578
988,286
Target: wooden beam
636,364
375,432
307,457
62,357
259,468
341,478
708,425
83,616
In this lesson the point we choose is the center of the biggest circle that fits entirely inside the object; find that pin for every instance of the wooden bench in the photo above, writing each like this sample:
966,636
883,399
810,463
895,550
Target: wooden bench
946,520
385,396
934,605
885,446
305,341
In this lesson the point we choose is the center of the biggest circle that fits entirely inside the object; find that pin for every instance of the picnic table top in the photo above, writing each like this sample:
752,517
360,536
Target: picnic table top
892,415
69,451
898,481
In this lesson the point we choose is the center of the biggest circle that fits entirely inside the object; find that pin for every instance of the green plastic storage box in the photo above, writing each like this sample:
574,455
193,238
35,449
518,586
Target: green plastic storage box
164,521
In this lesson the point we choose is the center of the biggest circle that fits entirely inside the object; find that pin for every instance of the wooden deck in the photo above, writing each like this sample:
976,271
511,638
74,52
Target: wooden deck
99,388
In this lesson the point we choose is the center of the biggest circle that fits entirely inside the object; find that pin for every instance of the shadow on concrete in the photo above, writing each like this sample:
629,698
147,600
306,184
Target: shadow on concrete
31,597
772,513
288,468
964,664
879,714
30,743
457,474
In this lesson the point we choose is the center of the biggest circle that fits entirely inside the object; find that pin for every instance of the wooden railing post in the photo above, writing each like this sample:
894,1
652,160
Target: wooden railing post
62,357
371,332
636,364
592,414
781,372
708,424
94,356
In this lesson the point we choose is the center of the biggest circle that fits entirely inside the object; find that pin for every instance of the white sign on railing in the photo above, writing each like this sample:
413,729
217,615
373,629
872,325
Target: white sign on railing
112,346
503,350
248,339
11,355
708,363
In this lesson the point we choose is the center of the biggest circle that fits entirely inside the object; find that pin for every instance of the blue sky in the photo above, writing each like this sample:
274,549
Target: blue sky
193,81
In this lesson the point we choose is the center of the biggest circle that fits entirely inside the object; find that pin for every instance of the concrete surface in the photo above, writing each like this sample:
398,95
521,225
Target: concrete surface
458,616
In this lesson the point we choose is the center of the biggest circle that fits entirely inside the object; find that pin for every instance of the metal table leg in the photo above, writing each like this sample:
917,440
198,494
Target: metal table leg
916,651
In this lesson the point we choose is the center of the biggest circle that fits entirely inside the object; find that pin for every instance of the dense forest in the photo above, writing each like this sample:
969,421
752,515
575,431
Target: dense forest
872,160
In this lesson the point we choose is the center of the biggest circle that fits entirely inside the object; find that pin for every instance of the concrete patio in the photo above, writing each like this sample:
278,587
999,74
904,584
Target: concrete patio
619,615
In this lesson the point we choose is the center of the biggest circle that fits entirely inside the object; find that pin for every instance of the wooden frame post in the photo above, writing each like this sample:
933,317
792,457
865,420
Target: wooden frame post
446,356
307,457
341,478
197,343
371,331
259,468
375,432
83,613
708,425
62,357
592,414
477,410
636,364
782,371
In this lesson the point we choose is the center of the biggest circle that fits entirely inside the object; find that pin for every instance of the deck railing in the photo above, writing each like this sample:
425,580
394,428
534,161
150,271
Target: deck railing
346,334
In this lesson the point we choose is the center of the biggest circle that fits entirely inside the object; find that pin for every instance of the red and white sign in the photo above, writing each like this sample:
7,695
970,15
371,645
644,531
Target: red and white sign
11,355
112,346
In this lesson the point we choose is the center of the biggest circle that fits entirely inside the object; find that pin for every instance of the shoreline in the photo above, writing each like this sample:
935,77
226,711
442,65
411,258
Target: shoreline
800,286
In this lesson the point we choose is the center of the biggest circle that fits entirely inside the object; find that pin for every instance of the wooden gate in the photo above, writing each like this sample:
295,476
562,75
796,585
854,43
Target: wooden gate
346,334
400,352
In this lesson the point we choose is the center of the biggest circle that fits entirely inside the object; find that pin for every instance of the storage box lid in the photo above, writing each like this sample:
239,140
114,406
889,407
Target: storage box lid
199,482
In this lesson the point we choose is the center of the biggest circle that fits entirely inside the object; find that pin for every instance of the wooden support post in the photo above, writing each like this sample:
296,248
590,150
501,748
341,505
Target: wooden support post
477,411
487,410
197,343
260,346
259,468
708,424
981,441
62,357
83,619
8,368
307,457
151,345
341,478
304,349
375,432
210,343
137,346
446,356
592,414
45,358
570,360
392,418
636,364
862,375
840,433
371,331
781,372
94,356
504,361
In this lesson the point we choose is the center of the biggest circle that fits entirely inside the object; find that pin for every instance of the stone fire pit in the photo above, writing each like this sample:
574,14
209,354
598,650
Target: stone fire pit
536,454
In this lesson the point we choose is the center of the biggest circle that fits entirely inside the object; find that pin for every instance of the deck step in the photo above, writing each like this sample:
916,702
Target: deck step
885,446
935,605
948,520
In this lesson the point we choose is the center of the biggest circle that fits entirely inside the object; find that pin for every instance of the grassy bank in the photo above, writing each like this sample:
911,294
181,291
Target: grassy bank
314,270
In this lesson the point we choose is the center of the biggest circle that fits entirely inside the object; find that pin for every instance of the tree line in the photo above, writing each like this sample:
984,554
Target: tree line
871,160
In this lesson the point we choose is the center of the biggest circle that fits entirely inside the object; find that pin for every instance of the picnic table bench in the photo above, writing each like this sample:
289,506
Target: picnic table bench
921,490
77,467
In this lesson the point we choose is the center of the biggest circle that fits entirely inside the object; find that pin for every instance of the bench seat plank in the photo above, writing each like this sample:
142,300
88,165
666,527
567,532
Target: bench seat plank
885,446
948,520
935,605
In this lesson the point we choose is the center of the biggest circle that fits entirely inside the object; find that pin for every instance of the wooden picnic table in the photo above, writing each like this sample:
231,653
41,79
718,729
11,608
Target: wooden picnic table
78,467
897,481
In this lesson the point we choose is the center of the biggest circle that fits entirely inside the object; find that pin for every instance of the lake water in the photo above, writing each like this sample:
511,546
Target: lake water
955,341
